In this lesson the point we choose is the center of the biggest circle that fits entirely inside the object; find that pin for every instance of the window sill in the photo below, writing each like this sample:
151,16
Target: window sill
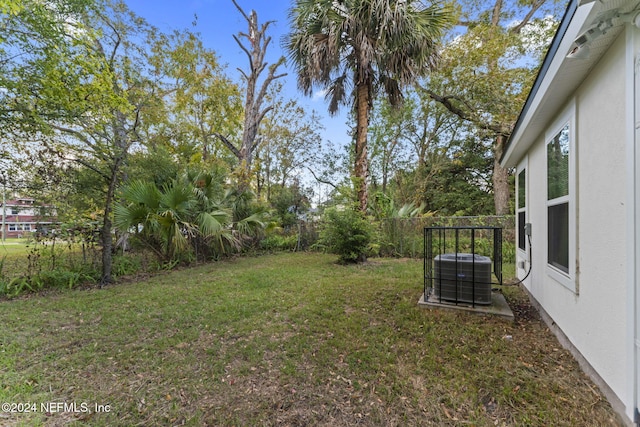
562,278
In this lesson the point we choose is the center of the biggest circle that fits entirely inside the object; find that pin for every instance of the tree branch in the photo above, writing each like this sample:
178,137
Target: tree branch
527,18
320,180
464,115
90,166
244,49
229,145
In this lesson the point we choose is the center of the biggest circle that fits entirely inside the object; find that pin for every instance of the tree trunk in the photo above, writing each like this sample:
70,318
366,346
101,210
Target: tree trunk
121,145
500,178
361,165
105,233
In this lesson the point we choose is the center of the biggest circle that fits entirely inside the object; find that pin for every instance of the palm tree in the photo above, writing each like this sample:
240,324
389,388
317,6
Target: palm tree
169,219
191,212
353,49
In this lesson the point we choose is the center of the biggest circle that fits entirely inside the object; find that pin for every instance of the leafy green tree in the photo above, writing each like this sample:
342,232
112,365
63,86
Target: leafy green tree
288,204
388,132
11,7
290,142
46,73
458,184
354,49
157,165
66,82
488,69
205,102
87,90
462,185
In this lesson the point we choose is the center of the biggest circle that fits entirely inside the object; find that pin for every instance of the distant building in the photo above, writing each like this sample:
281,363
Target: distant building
22,216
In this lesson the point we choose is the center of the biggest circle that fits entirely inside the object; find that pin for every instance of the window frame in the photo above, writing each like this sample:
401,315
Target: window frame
522,208
565,278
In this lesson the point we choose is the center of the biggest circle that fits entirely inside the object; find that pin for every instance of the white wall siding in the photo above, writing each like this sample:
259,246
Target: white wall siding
591,312
602,218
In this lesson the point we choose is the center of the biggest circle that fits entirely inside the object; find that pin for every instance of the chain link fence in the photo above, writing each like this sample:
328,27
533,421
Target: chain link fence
403,237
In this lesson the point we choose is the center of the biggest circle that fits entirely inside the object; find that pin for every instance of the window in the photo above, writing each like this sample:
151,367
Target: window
522,208
19,227
558,150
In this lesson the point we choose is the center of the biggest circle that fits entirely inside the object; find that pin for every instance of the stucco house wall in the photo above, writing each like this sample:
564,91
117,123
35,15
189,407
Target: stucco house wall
589,304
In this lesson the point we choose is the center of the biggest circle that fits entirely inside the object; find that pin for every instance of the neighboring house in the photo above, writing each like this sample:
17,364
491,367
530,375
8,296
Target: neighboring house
22,216
576,153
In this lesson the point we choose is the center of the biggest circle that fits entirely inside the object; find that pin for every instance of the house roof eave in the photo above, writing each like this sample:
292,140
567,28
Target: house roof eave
559,76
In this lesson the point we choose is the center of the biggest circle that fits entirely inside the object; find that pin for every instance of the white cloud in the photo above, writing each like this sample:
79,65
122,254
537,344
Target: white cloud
319,94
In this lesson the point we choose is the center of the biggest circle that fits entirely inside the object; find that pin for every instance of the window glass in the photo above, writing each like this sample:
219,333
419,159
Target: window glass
522,179
558,200
558,236
558,165
521,236
522,204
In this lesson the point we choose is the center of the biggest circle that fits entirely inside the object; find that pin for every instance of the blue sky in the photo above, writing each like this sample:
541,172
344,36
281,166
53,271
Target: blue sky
218,21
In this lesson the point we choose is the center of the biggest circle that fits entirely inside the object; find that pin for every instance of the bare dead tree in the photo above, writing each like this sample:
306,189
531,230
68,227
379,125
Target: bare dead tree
255,46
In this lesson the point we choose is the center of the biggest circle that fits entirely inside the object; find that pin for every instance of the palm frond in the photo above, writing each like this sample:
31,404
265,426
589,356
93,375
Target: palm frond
212,223
142,192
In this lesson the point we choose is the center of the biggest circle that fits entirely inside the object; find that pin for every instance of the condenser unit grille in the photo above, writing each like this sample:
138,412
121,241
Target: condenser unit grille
463,277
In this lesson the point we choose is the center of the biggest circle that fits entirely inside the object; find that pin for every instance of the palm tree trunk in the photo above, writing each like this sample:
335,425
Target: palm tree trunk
361,165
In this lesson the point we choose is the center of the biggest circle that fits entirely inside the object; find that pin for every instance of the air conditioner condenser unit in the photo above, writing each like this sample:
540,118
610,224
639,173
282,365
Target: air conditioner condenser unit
462,277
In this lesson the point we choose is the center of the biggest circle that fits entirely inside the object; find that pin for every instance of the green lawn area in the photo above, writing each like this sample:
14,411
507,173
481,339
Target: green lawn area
13,247
290,339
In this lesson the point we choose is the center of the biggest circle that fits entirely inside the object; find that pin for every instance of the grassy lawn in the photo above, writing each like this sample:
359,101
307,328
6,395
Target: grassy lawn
12,247
290,339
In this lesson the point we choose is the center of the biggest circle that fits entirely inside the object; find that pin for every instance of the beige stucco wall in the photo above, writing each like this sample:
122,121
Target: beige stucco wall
593,313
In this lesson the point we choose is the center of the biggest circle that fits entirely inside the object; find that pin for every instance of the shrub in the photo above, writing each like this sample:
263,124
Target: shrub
346,233
124,265
279,242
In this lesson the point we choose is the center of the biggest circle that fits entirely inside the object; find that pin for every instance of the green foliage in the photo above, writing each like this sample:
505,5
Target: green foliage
191,217
384,207
126,265
346,233
157,166
356,50
274,242
288,203
458,184
169,220
62,277
291,141
205,102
